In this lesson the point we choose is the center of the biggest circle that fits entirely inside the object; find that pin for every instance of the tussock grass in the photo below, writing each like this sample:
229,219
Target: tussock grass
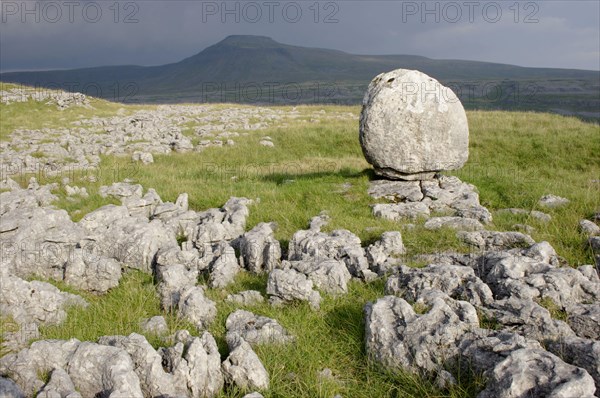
515,159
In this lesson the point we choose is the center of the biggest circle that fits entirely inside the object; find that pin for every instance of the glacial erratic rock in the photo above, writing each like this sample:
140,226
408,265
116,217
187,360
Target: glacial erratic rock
411,126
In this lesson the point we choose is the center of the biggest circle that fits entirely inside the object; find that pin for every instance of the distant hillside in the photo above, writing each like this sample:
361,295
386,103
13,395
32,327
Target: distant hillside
257,69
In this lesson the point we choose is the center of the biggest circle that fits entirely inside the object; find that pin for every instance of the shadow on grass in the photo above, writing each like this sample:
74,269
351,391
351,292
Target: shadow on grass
345,173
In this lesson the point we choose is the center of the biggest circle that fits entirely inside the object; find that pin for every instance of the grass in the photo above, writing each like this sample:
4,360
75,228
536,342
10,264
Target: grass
515,159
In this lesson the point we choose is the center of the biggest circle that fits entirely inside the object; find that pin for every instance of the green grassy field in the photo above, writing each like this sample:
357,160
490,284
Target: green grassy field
515,158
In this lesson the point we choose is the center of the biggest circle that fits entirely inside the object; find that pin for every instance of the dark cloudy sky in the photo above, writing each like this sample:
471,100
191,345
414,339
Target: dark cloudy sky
70,34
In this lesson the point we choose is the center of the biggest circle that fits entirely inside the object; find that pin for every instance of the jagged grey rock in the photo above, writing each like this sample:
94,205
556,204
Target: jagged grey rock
38,241
552,201
341,245
527,318
26,367
156,325
330,276
482,349
589,228
594,242
536,214
142,206
494,240
458,223
195,307
398,338
289,285
224,268
259,250
253,395
456,281
401,211
243,368
15,339
584,353
135,241
448,194
144,157
76,191
529,274
396,191
406,132
176,270
98,369
385,253
535,372
246,297
88,271
195,364
99,219
121,190
59,385
255,329
34,302
10,389
584,319
154,381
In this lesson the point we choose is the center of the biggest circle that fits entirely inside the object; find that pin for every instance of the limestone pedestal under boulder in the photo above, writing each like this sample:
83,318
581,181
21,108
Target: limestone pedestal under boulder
412,126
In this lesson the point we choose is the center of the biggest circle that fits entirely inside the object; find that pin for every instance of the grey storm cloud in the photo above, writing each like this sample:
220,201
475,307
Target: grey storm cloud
37,35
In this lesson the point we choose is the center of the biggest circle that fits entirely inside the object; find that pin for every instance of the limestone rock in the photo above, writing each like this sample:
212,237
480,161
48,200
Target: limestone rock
589,228
384,254
457,281
155,325
535,372
330,276
552,201
458,223
247,297
289,285
412,126
584,319
154,381
399,338
259,250
255,329
400,211
98,369
243,368
494,240
195,307
340,244
9,389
